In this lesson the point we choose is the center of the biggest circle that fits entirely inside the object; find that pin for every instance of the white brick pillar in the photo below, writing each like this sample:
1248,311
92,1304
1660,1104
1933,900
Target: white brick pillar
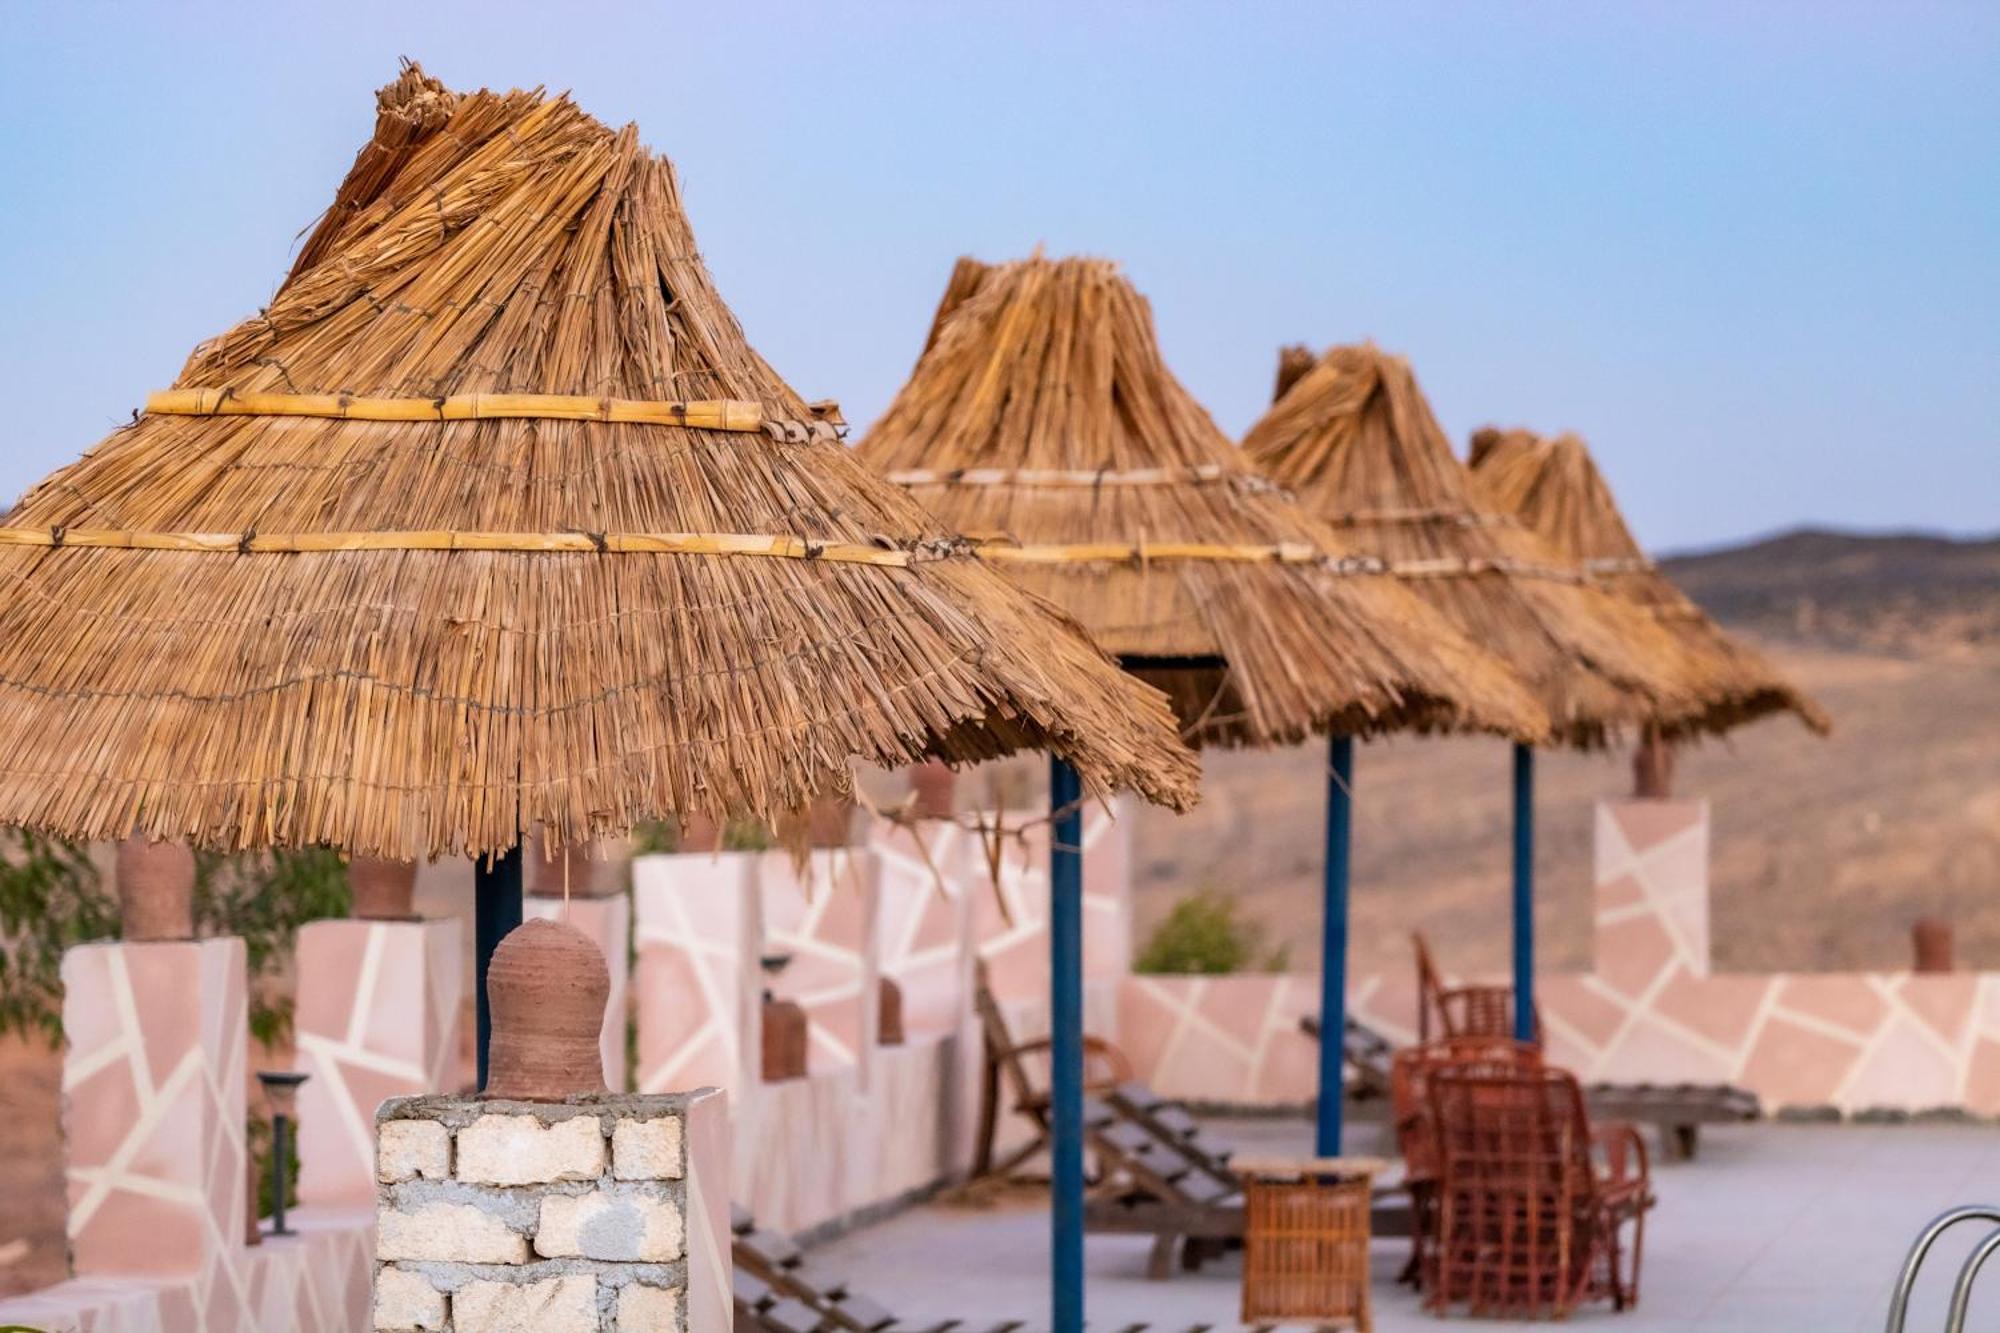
595,1215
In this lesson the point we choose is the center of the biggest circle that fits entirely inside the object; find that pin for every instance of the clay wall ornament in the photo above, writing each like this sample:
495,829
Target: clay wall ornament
700,833
382,890
889,1017
155,890
1653,769
934,791
580,870
546,989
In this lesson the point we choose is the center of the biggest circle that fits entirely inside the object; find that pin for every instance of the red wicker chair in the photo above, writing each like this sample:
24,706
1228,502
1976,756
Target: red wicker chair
1410,1071
1533,1205
1460,1011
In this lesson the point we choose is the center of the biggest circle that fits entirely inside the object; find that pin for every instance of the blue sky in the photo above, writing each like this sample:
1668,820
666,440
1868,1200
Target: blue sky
1751,252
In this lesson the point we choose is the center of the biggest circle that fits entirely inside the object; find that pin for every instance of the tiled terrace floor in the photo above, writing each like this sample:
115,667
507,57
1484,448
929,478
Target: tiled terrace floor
1774,1228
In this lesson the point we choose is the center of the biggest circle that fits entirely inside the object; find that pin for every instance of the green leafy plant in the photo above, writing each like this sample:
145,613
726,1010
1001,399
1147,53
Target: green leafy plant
257,1138
745,835
264,898
51,897
1203,933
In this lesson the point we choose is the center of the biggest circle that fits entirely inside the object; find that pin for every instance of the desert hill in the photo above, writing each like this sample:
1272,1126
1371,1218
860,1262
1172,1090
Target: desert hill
1824,850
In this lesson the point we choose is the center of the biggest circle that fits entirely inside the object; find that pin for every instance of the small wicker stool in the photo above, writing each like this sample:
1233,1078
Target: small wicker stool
1305,1240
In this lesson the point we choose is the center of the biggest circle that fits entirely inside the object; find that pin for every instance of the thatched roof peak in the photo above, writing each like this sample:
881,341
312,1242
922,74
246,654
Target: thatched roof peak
1042,417
1354,437
1082,385
1554,486
693,599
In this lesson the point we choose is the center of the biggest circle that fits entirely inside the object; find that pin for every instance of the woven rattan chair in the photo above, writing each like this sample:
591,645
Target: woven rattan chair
1533,1204
1410,1071
1474,1010
1676,1110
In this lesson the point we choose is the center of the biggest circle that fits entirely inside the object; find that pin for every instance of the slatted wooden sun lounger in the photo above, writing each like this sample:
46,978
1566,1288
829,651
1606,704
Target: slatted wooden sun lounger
1158,1172
779,1289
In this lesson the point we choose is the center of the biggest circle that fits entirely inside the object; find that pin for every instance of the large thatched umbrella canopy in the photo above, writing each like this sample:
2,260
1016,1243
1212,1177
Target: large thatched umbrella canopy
256,617
1042,420
1352,434
1554,486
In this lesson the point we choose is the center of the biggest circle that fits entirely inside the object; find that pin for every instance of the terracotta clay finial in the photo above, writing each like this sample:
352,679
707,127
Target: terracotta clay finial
1653,768
1930,938
579,869
155,890
700,833
830,822
933,791
382,890
546,989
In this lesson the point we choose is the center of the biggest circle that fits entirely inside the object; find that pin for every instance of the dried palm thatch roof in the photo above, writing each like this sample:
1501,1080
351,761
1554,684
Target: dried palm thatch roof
1352,434
427,611
1554,487
1042,421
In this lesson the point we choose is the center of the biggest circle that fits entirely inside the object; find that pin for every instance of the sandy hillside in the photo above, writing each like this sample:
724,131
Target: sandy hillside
1824,850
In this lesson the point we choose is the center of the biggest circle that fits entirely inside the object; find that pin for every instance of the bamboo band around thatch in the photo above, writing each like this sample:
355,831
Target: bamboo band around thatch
1298,553
1295,553
1465,518
1002,476
602,543
730,414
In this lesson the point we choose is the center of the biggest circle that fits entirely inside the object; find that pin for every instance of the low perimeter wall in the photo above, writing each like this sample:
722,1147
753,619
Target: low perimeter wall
1651,1010
916,906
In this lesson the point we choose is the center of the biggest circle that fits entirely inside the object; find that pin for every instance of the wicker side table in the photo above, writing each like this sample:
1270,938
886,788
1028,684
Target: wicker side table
1305,1239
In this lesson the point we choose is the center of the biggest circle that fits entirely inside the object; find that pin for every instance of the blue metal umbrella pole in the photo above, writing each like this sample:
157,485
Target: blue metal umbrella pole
1066,1046
1524,893
496,910
1333,947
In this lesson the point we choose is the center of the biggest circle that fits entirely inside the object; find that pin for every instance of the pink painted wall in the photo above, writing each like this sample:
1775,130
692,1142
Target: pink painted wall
1652,1009
154,1077
377,1017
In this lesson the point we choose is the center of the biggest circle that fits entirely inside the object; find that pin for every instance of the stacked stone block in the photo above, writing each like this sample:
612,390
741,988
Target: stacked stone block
554,1217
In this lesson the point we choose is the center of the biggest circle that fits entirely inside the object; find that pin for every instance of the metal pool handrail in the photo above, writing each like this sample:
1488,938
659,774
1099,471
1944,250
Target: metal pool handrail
1906,1280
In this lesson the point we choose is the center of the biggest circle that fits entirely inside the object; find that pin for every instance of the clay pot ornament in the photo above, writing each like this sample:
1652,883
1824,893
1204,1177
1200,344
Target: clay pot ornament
382,890
155,890
933,791
830,822
546,989
1653,769
699,833
575,871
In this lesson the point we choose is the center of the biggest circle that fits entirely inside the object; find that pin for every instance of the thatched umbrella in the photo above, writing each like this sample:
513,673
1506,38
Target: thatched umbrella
1042,420
1353,436
1554,487
493,521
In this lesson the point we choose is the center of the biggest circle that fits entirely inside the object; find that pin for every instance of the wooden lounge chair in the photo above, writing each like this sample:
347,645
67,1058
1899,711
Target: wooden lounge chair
1367,1055
1022,1066
1157,1171
1534,1204
778,1289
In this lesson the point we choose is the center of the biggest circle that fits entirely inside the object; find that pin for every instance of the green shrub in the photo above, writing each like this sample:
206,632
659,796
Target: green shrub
1201,934
52,897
